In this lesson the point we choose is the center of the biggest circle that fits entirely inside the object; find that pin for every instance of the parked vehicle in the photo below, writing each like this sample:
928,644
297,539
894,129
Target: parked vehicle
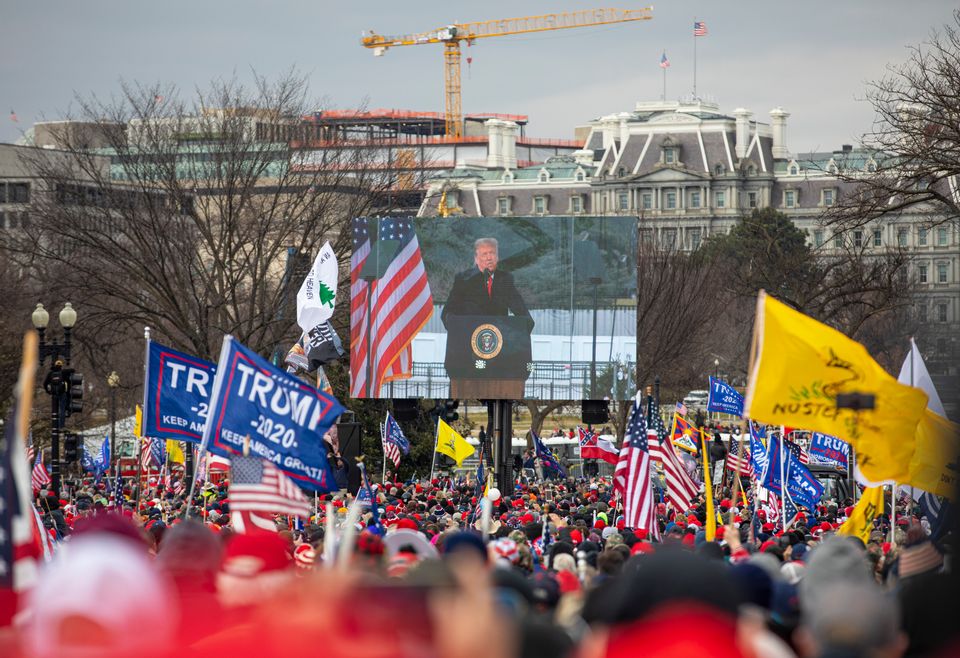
696,401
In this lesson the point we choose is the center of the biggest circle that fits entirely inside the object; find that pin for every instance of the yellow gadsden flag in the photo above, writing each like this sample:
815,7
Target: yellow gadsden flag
860,523
798,366
138,423
451,444
174,452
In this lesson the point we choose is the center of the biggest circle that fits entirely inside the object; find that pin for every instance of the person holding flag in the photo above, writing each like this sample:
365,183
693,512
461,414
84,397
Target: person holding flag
451,444
395,444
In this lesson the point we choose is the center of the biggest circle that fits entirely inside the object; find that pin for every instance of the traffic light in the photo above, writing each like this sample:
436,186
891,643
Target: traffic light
71,447
73,383
449,412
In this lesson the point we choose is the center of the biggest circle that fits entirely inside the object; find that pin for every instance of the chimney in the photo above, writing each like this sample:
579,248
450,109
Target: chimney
778,118
508,144
494,153
743,131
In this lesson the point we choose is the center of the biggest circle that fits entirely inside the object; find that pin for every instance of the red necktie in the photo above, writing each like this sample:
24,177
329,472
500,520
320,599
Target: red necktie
490,287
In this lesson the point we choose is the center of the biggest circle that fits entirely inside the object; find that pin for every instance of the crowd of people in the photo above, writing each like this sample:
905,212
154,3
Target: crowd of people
556,574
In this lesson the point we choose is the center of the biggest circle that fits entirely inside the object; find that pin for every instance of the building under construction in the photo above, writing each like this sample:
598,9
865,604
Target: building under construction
413,146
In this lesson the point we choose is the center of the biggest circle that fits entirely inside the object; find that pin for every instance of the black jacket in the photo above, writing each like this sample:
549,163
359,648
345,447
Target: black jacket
469,296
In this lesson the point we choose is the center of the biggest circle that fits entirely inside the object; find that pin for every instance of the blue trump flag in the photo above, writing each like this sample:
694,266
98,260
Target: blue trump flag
724,398
802,486
550,464
758,452
283,418
828,449
176,394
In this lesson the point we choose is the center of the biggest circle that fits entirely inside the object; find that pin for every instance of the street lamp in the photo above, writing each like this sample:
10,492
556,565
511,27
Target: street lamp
62,383
113,381
716,368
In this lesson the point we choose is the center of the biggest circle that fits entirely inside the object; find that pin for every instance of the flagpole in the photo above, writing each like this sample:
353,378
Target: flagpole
783,484
694,57
664,97
436,444
383,444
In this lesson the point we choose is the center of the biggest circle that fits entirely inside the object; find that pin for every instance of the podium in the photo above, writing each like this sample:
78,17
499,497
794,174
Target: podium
488,357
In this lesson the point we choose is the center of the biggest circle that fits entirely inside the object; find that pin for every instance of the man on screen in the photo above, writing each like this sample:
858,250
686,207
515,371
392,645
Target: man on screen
483,289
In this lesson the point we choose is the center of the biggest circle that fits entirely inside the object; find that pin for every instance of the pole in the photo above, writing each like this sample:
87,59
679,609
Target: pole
436,445
694,59
593,354
783,483
56,422
113,427
664,96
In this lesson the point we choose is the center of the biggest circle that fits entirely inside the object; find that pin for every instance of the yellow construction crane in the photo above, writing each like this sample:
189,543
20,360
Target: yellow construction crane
451,36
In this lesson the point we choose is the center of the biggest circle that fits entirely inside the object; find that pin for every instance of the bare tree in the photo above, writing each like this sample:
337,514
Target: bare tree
679,296
191,214
915,138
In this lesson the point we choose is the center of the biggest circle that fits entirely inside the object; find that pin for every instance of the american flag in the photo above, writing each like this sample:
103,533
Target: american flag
664,62
631,478
401,305
737,461
681,488
145,454
699,29
681,408
39,477
258,486
395,443
797,451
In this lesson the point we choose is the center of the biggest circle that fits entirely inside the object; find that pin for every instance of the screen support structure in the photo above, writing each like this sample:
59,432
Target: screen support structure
500,419
379,259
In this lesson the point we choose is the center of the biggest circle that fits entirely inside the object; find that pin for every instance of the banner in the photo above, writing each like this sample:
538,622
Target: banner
684,434
176,395
724,398
758,451
860,523
281,418
318,292
826,449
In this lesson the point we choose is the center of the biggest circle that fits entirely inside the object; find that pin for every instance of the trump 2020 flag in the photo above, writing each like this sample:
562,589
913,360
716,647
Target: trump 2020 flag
176,394
318,292
282,418
724,398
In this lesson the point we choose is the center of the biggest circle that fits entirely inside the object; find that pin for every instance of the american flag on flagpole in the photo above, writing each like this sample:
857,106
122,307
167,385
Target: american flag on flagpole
256,485
401,304
681,488
664,62
39,477
681,408
699,29
797,451
395,444
631,478
737,462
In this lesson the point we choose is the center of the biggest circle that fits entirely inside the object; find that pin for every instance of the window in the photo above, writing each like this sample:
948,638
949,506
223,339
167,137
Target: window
18,192
838,240
922,237
789,198
503,206
623,200
828,197
539,205
751,170
941,272
877,238
818,238
902,237
922,312
670,238
720,198
858,239
671,200
646,236
941,312
576,203
3,192
694,238
751,199
695,198
871,167
922,273
718,170
794,170
942,236
942,347
580,177
621,172
3,220
669,156
544,176
647,200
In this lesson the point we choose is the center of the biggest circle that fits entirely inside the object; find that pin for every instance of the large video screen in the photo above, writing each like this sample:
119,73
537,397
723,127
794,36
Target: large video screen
493,308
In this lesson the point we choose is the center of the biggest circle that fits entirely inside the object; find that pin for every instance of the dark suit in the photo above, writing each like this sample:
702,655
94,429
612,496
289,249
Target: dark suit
469,296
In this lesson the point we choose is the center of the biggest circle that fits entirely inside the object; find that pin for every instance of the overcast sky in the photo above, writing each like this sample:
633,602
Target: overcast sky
812,58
